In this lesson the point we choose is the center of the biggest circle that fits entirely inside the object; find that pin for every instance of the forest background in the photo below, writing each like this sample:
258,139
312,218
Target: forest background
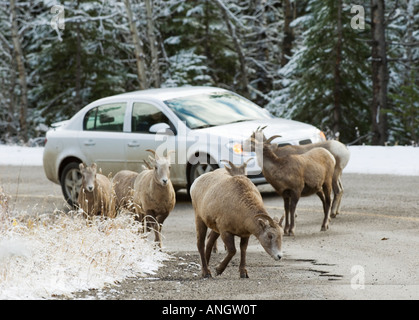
317,61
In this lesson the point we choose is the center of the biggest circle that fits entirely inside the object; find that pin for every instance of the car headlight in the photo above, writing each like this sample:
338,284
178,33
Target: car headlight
236,148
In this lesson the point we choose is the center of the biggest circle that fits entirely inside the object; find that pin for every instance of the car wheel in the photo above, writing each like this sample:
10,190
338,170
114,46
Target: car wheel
71,180
200,168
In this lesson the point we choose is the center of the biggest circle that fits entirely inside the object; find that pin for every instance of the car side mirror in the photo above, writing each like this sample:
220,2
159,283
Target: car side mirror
160,128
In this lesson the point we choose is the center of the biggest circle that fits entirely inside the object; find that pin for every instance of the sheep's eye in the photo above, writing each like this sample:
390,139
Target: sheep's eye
270,236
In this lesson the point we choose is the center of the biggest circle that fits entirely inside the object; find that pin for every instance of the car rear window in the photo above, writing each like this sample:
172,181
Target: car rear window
108,117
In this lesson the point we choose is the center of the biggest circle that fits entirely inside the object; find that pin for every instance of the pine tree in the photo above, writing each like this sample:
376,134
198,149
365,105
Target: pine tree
85,63
326,81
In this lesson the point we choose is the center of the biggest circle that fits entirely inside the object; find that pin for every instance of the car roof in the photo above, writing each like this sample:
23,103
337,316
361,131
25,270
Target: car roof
164,94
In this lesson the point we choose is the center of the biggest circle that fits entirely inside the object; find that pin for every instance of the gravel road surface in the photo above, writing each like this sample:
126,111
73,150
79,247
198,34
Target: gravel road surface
369,252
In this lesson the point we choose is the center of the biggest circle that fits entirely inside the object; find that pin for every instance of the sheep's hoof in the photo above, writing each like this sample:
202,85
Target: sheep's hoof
334,215
207,275
324,228
244,275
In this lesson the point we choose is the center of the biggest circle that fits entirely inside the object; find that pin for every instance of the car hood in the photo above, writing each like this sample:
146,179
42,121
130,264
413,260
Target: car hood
289,130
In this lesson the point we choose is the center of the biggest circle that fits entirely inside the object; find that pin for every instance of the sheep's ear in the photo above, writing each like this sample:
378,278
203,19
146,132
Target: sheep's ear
229,162
147,165
229,170
94,165
81,166
152,160
263,223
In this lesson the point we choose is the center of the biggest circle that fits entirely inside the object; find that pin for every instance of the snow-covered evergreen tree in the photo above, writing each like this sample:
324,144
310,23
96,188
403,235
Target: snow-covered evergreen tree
403,44
326,83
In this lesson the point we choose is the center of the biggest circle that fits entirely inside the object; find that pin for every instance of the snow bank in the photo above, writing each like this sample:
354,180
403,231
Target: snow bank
60,254
21,156
396,160
364,159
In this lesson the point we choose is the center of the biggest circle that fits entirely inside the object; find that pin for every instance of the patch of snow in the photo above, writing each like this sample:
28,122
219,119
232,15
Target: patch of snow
397,160
20,156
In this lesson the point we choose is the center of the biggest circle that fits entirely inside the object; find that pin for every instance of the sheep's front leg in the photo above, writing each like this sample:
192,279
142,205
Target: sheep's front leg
228,239
212,238
243,247
201,233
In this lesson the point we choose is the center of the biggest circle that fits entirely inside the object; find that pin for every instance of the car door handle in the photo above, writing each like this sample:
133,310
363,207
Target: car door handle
89,143
133,144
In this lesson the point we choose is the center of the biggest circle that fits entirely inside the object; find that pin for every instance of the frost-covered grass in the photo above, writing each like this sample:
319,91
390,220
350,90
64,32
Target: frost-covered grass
59,253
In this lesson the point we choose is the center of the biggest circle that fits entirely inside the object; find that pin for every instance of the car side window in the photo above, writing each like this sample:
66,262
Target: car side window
144,115
108,117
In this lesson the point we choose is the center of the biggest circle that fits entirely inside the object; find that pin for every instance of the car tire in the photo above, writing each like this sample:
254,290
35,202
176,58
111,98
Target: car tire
200,168
71,180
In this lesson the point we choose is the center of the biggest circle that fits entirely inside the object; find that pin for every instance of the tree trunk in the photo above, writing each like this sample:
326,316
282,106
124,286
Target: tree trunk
79,71
237,47
379,73
337,77
139,53
155,70
22,73
288,32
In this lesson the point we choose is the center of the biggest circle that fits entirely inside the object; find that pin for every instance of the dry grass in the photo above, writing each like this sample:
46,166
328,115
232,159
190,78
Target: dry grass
59,253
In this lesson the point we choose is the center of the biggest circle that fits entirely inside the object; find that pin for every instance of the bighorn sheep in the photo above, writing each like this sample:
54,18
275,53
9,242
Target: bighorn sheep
123,184
96,195
150,192
231,206
297,175
336,148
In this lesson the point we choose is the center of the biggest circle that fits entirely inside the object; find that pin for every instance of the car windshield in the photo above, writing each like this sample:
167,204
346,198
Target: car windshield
214,109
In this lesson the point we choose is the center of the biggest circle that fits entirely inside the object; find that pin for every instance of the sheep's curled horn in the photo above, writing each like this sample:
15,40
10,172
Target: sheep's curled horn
156,155
272,138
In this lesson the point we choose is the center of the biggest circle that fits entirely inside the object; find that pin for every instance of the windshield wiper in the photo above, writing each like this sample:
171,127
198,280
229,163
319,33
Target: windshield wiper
241,120
205,126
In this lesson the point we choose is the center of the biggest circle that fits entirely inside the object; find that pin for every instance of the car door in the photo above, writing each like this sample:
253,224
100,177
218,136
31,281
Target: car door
145,119
102,138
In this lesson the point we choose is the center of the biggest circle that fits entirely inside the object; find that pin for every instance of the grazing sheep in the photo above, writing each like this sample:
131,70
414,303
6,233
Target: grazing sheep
231,206
96,195
153,194
336,148
294,176
233,170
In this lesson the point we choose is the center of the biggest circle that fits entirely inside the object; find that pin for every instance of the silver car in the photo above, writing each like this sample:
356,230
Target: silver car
204,125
